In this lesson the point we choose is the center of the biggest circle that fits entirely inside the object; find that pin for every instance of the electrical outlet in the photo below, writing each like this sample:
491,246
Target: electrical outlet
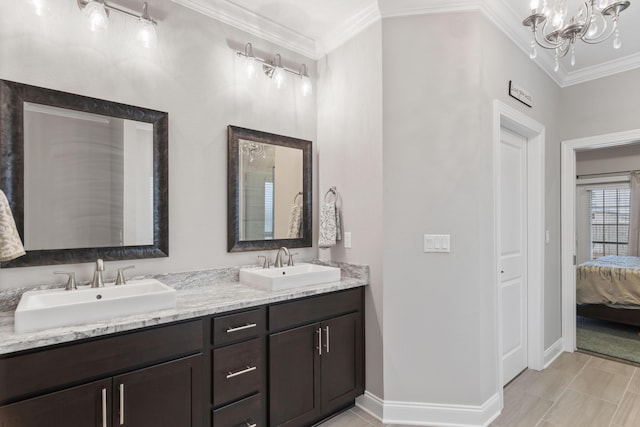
347,240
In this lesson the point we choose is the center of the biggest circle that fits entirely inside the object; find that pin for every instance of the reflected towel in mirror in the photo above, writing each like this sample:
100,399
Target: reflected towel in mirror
10,244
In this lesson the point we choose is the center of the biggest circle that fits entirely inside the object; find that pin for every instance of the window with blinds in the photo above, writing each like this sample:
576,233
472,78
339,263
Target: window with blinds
609,221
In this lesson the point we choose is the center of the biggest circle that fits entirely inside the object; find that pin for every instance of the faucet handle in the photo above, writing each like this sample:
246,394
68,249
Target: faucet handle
265,264
290,263
120,277
71,282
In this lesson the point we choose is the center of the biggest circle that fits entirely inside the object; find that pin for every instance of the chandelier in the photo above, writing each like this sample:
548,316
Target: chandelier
253,149
551,28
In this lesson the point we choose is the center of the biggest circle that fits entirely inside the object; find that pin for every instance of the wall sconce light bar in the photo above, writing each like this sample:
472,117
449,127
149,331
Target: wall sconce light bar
112,8
274,69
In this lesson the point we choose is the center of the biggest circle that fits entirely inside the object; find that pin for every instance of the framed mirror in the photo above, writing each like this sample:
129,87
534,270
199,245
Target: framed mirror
269,191
85,178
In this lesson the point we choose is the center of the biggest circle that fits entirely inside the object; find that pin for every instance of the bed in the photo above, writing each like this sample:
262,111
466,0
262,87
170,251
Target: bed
608,288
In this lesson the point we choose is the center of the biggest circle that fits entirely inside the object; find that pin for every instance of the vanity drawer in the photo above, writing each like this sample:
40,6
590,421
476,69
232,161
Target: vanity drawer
239,326
238,371
314,309
246,412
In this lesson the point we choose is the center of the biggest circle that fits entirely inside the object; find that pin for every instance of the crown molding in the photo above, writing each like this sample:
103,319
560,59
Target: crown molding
348,29
254,24
500,12
609,68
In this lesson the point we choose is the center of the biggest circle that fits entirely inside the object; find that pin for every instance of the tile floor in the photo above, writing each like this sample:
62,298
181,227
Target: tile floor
576,390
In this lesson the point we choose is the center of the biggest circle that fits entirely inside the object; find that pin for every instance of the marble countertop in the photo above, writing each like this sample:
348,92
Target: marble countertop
200,293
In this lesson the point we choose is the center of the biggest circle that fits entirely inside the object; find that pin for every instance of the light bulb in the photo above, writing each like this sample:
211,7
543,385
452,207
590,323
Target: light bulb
147,34
593,27
40,7
307,87
279,78
603,3
558,20
533,5
251,67
97,15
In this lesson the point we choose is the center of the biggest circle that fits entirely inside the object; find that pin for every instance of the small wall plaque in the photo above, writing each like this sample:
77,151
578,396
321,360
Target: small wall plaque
519,93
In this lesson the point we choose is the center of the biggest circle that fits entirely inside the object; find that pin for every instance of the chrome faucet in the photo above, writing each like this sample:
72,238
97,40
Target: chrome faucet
97,281
278,262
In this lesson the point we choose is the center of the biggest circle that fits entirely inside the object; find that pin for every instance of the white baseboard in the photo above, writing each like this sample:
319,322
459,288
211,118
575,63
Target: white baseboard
429,414
552,353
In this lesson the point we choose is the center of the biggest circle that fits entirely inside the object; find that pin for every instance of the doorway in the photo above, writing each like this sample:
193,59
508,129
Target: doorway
519,273
568,221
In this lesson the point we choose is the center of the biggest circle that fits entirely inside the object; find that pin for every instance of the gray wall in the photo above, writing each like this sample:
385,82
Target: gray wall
350,157
439,84
606,105
608,160
195,76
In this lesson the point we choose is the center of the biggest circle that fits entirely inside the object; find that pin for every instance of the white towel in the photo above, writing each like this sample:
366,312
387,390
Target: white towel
328,226
10,243
295,220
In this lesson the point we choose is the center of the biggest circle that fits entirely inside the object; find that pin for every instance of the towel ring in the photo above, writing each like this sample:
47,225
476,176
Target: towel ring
331,191
295,199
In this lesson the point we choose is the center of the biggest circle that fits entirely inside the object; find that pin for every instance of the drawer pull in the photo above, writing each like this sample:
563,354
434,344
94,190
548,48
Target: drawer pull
242,328
319,347
244,371
104,407
121,404
251,425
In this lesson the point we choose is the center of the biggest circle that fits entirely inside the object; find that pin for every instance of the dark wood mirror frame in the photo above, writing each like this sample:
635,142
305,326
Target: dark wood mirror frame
234,244
12,98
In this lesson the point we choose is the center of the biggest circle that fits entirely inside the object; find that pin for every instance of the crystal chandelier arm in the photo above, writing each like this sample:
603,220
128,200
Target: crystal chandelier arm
604,33
542,39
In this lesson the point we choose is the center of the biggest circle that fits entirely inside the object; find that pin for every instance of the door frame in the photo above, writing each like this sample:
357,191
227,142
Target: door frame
568,220
507,117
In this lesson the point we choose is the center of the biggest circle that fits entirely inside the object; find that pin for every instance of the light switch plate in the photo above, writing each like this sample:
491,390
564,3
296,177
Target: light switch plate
437,243
347,240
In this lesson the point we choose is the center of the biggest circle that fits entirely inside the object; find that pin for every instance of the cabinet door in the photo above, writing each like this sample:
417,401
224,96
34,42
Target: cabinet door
165,395
87,405
342,362
294,374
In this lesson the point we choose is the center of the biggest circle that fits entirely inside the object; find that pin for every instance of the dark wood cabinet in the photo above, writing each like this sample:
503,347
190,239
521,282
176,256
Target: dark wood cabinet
165,392
285,364
316,369
165,395
83,406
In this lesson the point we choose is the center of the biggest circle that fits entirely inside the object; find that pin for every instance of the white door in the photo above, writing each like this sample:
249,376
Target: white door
513,252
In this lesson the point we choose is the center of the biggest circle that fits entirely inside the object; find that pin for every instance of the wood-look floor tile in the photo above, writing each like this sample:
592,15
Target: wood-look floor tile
570,362
628,414
522,410
634,385
367,417
578,409
611,366
601,384
345,419
547,384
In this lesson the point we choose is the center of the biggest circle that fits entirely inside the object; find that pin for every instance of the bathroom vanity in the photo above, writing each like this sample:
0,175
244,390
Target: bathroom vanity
277,359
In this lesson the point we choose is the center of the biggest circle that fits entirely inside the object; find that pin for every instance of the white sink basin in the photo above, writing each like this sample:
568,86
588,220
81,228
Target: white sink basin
278,279
57,307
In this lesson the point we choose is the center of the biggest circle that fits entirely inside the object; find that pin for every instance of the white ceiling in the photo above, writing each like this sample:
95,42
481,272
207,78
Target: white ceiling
315,27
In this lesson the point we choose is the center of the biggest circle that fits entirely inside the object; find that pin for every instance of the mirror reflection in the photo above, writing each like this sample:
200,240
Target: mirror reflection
88,179
270,191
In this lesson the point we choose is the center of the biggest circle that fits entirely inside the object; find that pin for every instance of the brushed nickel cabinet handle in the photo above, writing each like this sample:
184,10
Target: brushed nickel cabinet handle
241,328
319,332
251,425
104,407
121,404
326,331
244,371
